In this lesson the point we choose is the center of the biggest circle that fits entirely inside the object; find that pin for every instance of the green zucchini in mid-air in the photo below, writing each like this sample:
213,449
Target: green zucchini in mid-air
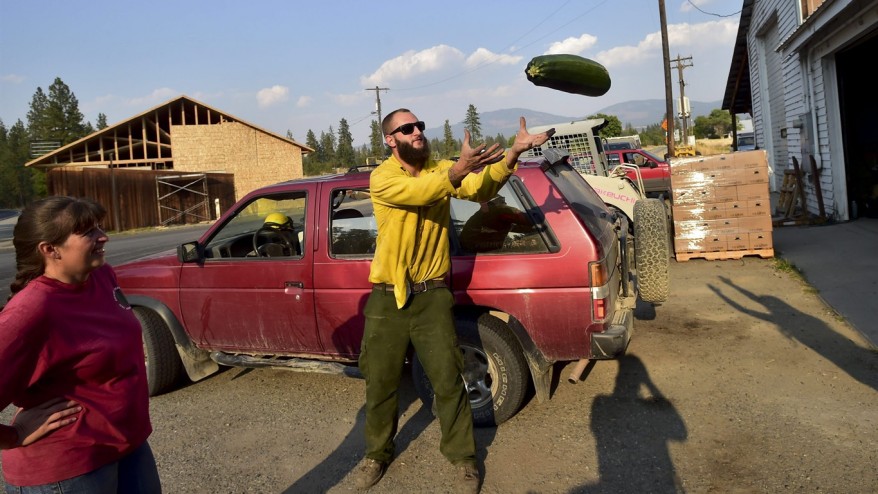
569,73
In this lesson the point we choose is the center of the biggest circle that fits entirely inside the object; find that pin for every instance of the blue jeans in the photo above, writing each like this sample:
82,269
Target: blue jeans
133,474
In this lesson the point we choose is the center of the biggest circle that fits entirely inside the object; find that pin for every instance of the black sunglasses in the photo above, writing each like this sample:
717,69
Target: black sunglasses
408,129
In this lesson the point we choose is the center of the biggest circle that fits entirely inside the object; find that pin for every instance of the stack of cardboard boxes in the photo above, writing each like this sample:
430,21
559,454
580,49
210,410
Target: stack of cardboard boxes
721,206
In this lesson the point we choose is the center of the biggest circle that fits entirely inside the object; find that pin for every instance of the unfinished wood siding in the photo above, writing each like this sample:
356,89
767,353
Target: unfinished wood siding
255,158
137,194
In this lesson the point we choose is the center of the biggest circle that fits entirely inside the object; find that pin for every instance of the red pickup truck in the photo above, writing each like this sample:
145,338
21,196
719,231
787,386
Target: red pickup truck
540,274
655,172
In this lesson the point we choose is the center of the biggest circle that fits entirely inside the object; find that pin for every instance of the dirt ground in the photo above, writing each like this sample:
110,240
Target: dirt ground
745,382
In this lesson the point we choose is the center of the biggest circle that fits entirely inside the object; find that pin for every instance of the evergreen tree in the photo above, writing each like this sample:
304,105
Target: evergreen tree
653,135
290,135
7,171
56,117
311,162
472,123
449,143
311,141
376,140
344,153
18,185
101,122
327,146
37,121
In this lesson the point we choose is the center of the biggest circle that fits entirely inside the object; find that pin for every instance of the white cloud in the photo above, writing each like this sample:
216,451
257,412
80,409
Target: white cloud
483,56
573,46
303,101
272,96
413,63
682,38
13,78
703,35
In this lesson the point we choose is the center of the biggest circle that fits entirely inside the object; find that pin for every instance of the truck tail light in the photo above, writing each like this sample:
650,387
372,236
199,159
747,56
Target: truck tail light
598,279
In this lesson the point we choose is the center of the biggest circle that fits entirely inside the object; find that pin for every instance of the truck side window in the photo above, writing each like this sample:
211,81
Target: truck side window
267,227
497,226
352,227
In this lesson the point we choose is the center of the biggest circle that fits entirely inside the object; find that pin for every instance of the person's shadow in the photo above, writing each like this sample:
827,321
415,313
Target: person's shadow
344,459
632,429
858,362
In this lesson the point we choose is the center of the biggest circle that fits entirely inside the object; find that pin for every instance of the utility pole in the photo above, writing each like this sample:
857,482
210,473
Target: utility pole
684,108
669,95
378,100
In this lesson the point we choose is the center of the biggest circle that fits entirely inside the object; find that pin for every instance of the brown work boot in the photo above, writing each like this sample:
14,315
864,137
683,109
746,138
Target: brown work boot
369,473
468,479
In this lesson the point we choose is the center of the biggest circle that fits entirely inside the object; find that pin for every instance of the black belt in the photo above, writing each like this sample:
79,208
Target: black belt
419,287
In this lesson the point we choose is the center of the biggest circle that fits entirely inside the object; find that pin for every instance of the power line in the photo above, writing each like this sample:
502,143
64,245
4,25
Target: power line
711,13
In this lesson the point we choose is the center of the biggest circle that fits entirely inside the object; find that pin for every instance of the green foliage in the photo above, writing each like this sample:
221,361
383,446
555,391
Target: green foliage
56,117
17,182
51,117
344,152
450,145
653,135
614,125
376,141
101,122
713,126
472,123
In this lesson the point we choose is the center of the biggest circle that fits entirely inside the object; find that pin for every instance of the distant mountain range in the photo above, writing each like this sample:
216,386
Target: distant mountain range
638,114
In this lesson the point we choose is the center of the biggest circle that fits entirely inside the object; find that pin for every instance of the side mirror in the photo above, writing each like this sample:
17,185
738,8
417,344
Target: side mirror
189,252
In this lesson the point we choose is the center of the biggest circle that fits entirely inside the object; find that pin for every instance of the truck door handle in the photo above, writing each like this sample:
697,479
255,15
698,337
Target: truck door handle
295,288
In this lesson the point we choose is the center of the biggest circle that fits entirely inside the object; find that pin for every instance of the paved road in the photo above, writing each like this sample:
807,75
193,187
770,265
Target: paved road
121,248
7,223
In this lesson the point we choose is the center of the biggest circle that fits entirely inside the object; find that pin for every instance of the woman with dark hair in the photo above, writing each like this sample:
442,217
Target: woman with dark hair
71,360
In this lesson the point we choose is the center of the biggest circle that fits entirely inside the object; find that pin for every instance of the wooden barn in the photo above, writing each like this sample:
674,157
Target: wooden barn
180,162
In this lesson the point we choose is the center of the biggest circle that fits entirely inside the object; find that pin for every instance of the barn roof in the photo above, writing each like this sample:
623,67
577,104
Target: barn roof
148,130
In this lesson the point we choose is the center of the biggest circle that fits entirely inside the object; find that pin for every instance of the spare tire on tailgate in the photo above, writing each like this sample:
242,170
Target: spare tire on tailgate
651,250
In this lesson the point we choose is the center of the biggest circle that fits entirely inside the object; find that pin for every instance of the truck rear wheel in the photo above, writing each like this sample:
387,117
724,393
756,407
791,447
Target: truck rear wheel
651,250
495,372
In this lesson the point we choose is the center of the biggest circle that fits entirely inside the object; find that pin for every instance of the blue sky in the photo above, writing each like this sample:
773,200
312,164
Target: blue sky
285,65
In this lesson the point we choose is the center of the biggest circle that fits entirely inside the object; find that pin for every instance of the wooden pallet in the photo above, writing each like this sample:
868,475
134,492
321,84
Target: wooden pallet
724,254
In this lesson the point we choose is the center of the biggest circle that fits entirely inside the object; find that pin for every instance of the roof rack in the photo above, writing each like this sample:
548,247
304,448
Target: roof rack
363,168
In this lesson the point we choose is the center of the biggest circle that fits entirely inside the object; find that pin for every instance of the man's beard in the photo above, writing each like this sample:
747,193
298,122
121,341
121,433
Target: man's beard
412,155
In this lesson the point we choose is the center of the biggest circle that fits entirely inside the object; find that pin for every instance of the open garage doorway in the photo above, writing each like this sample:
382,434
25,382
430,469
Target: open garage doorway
859,120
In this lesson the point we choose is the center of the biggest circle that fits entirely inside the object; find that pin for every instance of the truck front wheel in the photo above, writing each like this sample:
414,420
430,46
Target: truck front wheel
164,369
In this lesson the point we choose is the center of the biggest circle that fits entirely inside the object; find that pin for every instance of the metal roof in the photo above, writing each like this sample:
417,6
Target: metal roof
738,98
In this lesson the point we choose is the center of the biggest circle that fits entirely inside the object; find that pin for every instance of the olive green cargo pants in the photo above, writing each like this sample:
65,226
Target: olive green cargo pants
427,323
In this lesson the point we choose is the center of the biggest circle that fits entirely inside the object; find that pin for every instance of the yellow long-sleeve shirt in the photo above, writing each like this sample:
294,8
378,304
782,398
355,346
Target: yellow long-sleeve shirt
413,214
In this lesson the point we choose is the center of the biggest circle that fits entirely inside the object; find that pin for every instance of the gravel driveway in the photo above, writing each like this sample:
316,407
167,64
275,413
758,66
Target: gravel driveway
745,381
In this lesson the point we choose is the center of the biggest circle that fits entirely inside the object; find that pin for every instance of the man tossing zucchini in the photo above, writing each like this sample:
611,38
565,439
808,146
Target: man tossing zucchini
410,302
